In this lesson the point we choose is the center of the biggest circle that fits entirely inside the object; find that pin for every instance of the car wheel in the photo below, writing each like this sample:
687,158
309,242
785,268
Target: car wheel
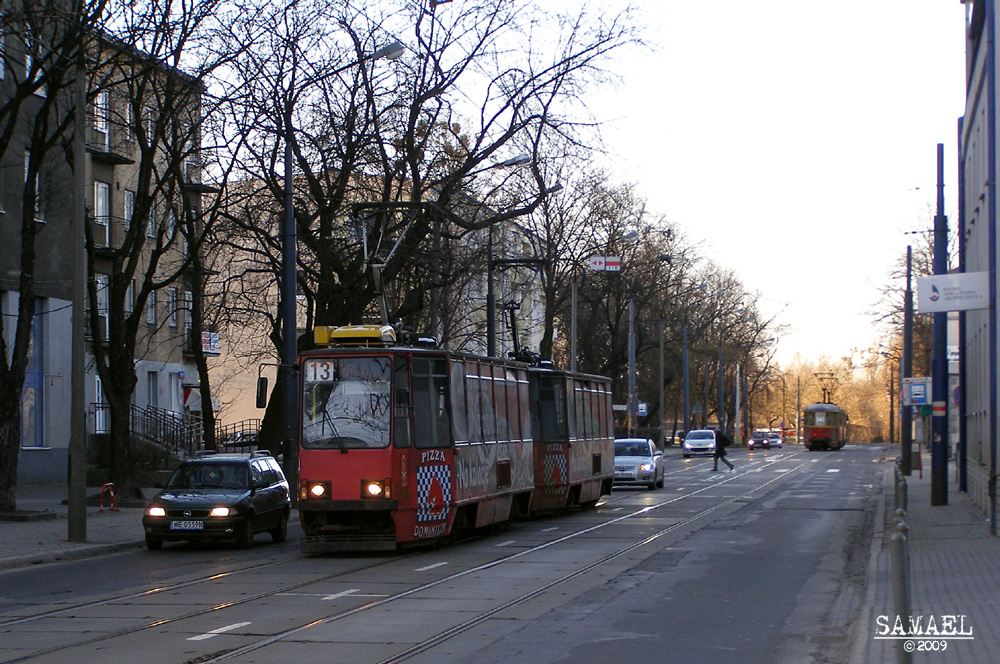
280,534
663,479
245,540
153,544
686,455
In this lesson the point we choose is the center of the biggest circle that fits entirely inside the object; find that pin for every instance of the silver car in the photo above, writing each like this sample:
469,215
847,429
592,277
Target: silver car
699,441
638,461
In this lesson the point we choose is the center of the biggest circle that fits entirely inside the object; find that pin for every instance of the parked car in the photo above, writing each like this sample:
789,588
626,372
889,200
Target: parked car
638,461
699,441
758,439
220,497
774,439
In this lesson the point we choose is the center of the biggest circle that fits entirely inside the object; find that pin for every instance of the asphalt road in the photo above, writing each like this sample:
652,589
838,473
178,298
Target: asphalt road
764,564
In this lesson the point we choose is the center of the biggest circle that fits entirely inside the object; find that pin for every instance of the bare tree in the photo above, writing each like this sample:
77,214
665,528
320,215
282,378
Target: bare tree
41,49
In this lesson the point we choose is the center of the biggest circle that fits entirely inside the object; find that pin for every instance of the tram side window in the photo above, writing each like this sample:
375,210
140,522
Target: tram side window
474,388
459,404
488,405
430,403
500,402
403,407
528,418
513,416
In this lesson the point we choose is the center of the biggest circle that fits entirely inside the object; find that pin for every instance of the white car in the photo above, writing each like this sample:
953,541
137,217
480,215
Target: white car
699,441
638,461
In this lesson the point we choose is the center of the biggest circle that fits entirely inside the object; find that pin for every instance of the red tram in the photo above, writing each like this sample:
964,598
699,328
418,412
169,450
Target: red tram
825,427
405,445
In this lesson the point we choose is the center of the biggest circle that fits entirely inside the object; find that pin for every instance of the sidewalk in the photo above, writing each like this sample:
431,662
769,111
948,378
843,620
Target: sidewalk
43,536
954,571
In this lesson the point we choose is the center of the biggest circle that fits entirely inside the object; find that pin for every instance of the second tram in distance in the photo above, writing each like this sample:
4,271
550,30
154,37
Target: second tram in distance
404,445
825,427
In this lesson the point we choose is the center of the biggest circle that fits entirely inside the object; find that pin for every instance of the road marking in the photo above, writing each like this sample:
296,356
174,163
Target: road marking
429,567
343,593
214,632
507,543
833,470
549,530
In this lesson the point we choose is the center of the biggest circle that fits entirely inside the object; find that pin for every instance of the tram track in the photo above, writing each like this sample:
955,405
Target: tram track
416,648
472,622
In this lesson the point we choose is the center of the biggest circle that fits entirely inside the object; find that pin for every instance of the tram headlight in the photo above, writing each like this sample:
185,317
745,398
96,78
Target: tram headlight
314,490
374,489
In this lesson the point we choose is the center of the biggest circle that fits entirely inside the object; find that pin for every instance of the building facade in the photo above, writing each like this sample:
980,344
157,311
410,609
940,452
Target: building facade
127,136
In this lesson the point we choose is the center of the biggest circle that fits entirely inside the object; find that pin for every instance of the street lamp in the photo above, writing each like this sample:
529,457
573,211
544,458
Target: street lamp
287,294
491,263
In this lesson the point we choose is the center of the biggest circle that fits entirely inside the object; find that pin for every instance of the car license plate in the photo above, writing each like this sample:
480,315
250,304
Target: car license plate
187,525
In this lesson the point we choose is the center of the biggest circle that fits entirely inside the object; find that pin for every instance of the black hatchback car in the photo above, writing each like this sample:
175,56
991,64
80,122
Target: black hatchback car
220,497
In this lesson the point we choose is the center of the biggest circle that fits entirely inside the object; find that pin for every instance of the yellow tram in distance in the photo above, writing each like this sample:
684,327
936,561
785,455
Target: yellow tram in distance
825,426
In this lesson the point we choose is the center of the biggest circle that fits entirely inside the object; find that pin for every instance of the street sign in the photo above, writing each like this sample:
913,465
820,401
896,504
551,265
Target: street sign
643,409
605,263
953,292
917,391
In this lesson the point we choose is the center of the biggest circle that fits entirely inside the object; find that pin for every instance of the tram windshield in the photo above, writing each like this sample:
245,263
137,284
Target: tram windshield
345,402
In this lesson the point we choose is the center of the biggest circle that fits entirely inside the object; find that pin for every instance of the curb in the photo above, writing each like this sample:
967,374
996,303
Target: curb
78,553
861,638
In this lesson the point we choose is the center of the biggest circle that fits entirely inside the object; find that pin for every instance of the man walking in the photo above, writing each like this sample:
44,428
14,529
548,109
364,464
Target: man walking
721,442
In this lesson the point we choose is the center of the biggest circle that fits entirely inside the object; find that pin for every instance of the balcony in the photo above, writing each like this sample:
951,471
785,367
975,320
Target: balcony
109,146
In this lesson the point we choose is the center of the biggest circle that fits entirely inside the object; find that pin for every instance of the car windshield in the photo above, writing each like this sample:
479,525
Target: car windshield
775,435
631,449
345,402
701,435
209,476
759,434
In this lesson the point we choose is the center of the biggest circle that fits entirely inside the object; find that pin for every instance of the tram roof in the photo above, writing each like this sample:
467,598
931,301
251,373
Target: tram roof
824,407
429,350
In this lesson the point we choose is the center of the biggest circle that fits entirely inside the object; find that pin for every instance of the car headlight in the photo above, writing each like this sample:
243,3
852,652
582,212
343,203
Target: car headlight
646,467
687,445
156,510
219,511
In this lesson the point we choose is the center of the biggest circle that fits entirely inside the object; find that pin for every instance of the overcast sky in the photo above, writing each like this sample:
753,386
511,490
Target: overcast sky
797,143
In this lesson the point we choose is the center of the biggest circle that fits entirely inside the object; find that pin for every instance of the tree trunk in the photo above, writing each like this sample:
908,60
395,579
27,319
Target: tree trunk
10,446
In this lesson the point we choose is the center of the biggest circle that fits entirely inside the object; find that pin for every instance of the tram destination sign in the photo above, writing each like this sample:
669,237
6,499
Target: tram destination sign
953,292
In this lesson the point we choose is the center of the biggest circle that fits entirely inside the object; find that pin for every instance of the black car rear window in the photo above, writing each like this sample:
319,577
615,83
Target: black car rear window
209,476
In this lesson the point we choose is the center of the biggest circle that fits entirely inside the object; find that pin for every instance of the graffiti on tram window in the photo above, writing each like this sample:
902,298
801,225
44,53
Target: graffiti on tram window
345,403
433,492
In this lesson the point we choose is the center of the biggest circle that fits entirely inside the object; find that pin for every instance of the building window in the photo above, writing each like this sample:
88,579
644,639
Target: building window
102,111
33,391
130,297
172,307
102,213
152,391
128,202
38,194
188,308
151,308
151,223
103,301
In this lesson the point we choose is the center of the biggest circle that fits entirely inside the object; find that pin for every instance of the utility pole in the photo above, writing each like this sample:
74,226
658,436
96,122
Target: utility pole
939,372
906,369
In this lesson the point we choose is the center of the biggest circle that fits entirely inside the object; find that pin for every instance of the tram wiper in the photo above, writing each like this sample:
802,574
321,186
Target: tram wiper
336,434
